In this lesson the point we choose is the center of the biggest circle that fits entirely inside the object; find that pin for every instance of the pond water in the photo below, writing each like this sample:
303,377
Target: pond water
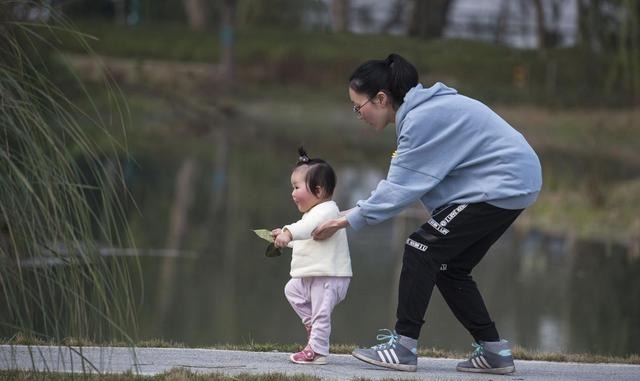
546,293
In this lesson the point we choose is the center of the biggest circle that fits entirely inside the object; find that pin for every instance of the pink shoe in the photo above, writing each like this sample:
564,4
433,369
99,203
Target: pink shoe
308,356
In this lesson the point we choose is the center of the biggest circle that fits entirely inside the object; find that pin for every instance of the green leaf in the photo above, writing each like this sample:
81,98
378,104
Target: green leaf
264,234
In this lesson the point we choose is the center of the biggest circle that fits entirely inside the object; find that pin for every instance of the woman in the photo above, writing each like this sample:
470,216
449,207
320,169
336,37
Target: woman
472,171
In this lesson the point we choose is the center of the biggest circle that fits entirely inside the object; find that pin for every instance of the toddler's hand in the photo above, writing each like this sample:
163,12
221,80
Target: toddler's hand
275,232
283,239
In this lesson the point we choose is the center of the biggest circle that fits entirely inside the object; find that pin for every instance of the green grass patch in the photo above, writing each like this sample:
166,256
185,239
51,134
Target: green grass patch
172,375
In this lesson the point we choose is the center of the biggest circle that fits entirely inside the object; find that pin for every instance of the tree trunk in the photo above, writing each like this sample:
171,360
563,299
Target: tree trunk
591,22
623,72
227,57
340,15
196,12
501,22
541,31
429,18
395,16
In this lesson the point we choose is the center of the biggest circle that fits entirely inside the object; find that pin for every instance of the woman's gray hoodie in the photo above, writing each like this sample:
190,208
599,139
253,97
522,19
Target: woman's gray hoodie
451,149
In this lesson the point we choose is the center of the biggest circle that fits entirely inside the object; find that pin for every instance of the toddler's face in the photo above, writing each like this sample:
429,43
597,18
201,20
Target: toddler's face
302,196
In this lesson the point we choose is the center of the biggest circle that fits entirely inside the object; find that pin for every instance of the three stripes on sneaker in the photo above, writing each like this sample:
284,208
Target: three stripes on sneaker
388,356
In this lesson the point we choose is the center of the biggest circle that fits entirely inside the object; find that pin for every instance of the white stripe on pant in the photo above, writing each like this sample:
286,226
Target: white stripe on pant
313,299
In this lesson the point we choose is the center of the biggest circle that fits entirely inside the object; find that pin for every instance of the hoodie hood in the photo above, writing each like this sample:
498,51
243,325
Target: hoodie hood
417,95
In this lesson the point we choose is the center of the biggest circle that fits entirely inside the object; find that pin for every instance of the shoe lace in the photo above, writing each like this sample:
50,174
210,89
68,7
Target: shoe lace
478,351
389,336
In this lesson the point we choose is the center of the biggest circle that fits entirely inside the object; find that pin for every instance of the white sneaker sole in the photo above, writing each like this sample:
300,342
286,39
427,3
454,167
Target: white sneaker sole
317,361
505,370
403,367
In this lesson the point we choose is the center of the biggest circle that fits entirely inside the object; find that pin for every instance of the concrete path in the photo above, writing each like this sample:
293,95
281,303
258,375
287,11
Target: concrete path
149,361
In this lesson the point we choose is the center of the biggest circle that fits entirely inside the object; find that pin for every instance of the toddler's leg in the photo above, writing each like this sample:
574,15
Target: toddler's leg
297,293
326,293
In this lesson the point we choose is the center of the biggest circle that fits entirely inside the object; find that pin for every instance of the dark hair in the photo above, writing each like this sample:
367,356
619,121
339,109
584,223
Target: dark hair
319,174
394,76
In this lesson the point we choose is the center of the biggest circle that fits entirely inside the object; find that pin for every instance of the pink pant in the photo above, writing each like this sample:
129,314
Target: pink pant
313,299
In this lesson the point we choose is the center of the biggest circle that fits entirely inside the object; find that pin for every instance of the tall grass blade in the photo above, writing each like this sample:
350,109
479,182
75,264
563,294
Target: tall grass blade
61,191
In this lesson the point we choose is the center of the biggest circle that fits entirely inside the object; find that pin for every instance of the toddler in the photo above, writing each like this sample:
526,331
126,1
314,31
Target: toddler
320,270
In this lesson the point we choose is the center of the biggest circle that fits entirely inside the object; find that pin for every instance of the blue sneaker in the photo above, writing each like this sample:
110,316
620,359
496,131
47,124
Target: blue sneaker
489,357
391,354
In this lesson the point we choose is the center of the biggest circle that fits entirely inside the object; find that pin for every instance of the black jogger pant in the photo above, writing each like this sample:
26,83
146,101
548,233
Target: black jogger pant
442,252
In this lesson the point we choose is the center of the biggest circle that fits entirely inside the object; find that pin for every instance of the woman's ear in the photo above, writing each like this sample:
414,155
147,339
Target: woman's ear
382,97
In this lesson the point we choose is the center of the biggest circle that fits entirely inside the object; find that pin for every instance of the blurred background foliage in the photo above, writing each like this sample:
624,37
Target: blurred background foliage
318,42
566,73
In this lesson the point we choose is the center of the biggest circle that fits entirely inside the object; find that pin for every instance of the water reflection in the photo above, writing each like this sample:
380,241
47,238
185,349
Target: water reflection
545,293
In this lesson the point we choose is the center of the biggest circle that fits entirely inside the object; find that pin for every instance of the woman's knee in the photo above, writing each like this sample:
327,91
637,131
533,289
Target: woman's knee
452,276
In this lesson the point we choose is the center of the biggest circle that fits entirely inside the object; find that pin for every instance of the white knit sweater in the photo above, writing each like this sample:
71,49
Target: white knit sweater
328,257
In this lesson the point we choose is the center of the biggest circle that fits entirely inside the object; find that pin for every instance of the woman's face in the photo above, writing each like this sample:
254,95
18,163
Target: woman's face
377,111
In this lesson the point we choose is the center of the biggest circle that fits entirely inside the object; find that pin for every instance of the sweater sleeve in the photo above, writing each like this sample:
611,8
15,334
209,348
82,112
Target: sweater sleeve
407,179
302,229
402,187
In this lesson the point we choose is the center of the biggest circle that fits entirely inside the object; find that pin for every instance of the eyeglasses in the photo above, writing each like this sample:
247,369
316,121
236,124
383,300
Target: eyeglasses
357,108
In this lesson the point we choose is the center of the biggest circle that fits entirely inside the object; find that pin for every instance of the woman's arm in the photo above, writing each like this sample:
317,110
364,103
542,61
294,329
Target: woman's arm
345,212
328,228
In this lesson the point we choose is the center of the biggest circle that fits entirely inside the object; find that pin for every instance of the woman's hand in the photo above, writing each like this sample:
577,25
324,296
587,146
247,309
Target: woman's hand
328,228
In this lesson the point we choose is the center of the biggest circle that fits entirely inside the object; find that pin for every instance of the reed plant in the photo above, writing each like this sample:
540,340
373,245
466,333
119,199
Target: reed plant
61,190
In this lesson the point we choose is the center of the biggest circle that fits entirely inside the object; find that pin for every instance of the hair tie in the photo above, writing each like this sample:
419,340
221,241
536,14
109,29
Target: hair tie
303,157
389,60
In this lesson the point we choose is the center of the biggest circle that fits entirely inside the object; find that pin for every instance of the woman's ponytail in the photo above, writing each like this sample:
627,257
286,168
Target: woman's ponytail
403,76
